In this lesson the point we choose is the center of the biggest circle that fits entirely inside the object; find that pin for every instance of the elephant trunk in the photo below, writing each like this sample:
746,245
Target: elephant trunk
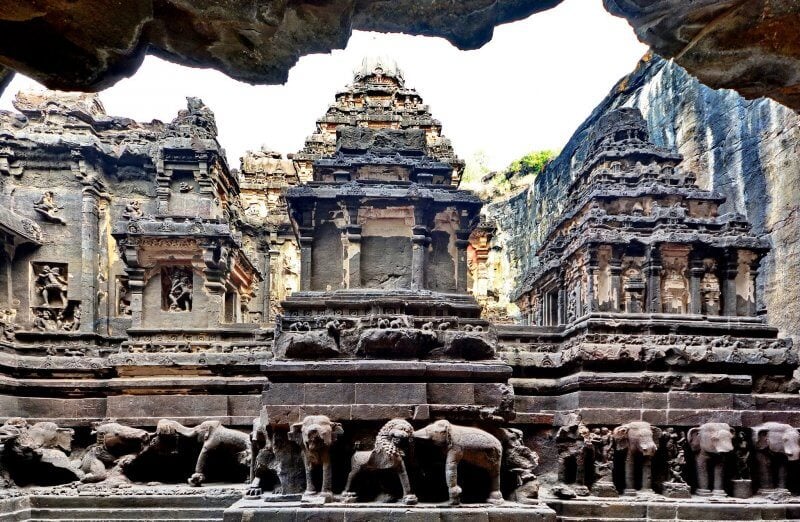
421,434
648,448
792,452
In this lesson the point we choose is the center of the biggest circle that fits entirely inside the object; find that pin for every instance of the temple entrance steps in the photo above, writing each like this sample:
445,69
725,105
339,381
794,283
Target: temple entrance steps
685,510
182,505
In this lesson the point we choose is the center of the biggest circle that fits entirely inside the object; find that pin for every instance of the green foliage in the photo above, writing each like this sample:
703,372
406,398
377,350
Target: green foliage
530,164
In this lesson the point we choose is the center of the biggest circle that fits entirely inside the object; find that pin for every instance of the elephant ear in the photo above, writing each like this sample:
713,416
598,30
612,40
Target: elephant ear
63,438
296,433
336,430
693,436
656,434
762,439
621,437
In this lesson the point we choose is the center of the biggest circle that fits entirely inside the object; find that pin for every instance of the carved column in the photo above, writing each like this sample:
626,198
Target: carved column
419,246
90,243
730,269
135,293
462,242
696,273
561,299
306,247
753,306
216,259
163,177
592,266
615,270
652,272
353,259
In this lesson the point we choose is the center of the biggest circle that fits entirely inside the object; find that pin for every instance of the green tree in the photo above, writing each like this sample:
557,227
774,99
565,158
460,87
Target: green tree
530,164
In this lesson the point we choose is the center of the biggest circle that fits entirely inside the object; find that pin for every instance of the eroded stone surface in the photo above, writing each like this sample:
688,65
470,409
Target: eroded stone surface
749,46
253,42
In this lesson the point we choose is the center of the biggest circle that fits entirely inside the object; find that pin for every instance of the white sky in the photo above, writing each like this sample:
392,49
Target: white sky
527,89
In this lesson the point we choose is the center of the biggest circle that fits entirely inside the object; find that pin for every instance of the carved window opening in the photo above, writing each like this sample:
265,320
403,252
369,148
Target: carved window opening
674,289
176,288
616,167
709,289
550,312
231,306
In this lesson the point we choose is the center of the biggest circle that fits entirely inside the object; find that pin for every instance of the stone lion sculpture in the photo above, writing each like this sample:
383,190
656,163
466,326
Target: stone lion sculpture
316,434
471,445
387,454
214,437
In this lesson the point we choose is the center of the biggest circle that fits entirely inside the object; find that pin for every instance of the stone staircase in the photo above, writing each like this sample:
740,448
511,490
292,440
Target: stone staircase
117,508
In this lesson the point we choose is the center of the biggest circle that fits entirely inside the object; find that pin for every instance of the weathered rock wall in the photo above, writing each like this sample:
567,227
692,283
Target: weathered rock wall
748,150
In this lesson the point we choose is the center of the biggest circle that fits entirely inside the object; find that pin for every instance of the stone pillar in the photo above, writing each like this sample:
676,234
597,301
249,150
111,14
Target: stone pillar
135,292
90,242
353,258
752,310
615,270
264,286
462,242
419,249
730,269
696,273
215,258
306,247
591,271
652,272
561,300
163,178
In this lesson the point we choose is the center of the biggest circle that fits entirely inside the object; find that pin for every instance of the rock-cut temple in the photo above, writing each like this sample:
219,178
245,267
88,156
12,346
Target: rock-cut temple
308,336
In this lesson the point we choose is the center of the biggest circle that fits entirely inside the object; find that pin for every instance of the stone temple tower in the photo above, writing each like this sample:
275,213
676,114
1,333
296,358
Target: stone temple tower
383,326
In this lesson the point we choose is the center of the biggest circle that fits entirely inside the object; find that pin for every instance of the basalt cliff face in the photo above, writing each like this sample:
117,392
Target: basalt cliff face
745,149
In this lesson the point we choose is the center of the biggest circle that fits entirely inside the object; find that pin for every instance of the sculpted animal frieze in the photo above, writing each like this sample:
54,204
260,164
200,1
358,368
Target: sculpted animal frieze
316,434
466,444
214,438
776,445
115,447
387,454
710,442
273,457
520,461
39,453
638,440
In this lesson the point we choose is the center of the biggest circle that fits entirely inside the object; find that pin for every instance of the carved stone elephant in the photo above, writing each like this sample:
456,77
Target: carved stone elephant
214,437
710,442
315,435
775,444
40,452
637,439
470,445
113,442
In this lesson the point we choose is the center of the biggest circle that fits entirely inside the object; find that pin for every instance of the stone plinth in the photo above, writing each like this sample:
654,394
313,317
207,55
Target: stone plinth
258,510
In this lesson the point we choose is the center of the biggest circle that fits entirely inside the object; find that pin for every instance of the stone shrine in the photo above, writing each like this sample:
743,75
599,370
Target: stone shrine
305,337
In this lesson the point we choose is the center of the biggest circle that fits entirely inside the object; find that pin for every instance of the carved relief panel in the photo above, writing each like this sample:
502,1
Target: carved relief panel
176,288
